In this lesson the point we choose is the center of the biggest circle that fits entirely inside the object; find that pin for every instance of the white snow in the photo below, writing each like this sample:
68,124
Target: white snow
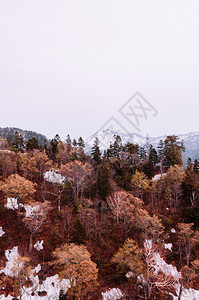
51,285
158,177
173,230
168,246
30,210
1,232
112,294
12,266
13,204
2,297
54,177
39,245
187,294
160,264
129,274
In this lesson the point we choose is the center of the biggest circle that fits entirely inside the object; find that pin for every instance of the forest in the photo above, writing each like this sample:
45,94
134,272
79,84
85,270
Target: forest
117,224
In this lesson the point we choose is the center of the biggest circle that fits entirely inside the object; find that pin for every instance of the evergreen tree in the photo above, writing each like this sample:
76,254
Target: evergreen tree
95,151
54,147
32,143
173,151
79,234
16,141
74,143
68,140
81,143
103,185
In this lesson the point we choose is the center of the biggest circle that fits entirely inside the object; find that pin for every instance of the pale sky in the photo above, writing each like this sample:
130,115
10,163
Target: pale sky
68,66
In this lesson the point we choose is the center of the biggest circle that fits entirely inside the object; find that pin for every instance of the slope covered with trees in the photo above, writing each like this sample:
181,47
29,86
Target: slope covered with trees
121,224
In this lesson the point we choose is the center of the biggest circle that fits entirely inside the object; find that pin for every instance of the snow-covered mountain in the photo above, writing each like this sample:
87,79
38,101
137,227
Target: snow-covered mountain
191,141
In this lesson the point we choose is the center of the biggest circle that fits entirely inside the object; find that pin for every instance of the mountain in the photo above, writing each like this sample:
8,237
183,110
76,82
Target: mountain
27,134
191,141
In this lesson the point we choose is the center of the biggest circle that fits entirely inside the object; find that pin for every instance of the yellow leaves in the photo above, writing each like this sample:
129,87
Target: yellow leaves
34,163
74,262
175,174
140,183
18,187
130,256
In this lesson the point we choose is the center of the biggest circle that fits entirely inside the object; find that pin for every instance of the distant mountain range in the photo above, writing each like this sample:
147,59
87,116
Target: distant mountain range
191,141
27,134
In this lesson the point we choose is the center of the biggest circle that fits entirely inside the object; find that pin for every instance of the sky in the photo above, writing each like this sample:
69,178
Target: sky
70,66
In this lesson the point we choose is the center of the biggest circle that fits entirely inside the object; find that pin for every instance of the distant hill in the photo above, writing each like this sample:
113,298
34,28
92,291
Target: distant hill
27,134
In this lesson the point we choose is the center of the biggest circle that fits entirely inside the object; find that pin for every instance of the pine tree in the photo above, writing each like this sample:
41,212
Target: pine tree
95,151
81,143
68,140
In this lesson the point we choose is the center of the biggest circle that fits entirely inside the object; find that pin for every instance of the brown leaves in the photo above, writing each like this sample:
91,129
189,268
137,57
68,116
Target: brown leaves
18,187
74,262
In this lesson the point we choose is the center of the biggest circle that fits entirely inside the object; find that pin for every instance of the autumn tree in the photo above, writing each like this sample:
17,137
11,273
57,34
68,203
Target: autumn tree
8,163
34,164
74,263
129,258
79,175
140,184
18,187
174,180
35,219
124,205
188,239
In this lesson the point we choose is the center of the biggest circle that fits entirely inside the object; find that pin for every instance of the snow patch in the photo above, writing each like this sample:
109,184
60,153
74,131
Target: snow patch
1,232
187,294
39,245
158,177
173,230
51,285
12,203
12,266
30,210
160,264
168,246
54,177
112,294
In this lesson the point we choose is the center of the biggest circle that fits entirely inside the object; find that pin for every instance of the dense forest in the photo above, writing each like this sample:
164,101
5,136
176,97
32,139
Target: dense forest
122,224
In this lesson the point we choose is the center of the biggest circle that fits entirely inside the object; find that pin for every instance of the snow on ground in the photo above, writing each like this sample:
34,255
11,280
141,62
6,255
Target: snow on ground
173,230
39,245
54,177
112,294
187,294
12,267
13,204
168,246
1,231
51,285
158,177
2,297
160,264
30,210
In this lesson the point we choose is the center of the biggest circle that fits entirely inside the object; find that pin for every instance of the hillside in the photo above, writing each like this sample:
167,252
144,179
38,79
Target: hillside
27,134
122,225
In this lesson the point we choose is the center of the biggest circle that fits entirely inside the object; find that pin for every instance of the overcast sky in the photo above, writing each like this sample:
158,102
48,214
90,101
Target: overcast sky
68,66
